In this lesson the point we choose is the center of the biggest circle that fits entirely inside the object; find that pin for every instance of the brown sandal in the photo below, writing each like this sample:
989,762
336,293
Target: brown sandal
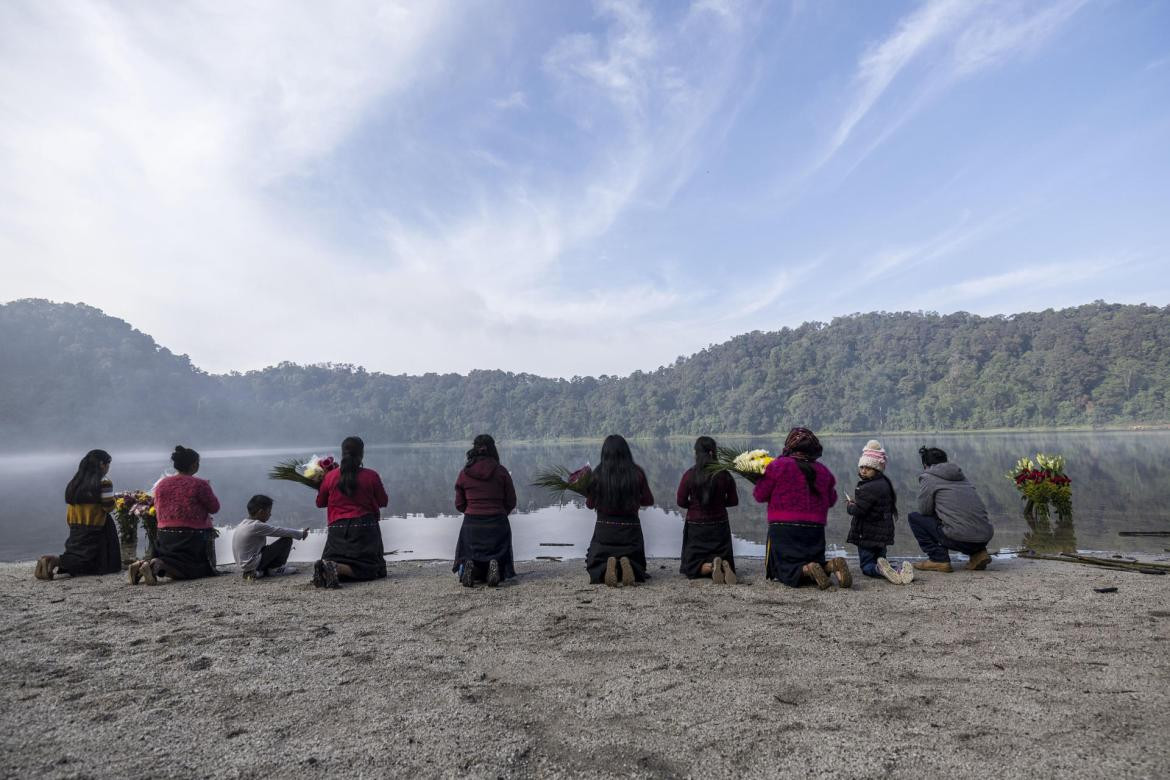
43,571
840,567
815,571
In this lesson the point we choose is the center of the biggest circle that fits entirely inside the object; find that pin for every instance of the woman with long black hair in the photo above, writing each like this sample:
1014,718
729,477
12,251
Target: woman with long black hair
92,546
706,546
484,493
799,491
617,489
185,546
354,497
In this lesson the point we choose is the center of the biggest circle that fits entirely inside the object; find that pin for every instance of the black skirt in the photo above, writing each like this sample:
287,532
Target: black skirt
790,547
485,538
91,549
616,537
187,552
702,543
357,542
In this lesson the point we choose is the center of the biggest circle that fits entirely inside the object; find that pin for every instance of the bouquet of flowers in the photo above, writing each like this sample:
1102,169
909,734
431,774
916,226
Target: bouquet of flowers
132,508
308,472
559,479
749,464
1043,482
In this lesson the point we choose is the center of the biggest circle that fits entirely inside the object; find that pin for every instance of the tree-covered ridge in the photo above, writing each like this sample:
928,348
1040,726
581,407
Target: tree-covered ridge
73,374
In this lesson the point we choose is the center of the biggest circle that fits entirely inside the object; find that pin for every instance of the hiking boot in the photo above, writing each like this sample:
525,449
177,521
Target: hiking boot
934,566
146,571
330,574
729,577
815,571
627,571
319,574
133,572
840,567
493,578
907,573
886,570
717,570
611,578
978,561
44,570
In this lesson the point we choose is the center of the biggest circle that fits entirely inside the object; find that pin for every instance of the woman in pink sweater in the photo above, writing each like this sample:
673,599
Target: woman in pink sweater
185,548
799,492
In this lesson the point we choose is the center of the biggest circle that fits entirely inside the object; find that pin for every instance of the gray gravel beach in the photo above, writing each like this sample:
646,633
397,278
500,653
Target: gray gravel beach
1022,670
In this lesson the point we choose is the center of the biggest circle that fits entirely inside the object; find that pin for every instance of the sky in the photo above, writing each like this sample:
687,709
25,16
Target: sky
573,188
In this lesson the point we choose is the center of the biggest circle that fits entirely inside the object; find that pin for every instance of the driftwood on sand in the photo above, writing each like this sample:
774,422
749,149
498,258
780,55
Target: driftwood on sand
1117,564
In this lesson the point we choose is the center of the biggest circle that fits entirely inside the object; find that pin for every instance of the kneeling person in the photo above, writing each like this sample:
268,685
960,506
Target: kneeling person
950,515
257,559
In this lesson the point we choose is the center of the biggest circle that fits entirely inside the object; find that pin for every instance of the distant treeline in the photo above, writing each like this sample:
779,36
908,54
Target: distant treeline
69,374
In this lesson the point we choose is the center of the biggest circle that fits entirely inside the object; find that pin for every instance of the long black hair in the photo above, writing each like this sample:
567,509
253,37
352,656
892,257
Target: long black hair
353,449
483,446
184,458
86,485
616,484
701,479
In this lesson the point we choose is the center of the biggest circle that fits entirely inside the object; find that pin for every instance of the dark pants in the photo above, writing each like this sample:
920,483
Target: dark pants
867,557
275,554
928,531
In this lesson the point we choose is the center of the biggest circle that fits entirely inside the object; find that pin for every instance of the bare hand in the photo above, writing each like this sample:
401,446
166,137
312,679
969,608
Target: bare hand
304,533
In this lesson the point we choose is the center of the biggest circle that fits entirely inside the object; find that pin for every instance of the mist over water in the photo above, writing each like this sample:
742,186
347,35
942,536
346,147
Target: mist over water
1120,481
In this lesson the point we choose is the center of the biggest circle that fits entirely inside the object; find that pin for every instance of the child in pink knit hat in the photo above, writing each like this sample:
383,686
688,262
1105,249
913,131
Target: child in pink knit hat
873,509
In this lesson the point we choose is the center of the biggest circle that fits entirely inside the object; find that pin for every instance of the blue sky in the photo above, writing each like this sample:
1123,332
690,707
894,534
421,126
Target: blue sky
574,188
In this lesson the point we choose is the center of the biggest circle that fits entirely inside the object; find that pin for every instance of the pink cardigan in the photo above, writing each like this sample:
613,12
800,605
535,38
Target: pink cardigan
183,501
786,492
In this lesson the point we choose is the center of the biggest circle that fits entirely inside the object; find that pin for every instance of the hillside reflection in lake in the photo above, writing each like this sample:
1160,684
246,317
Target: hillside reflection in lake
1119,483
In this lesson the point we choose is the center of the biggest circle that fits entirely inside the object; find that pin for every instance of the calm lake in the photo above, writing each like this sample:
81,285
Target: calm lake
1119,483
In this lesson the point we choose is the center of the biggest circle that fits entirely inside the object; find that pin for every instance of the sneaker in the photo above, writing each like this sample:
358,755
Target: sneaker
331,579
146,571
886,570
319,574
815,571
978,561
717,570
611,578
44,570
493,578
907,573
840,567
934,566
467,575
280,571
134,572
729,577
627,571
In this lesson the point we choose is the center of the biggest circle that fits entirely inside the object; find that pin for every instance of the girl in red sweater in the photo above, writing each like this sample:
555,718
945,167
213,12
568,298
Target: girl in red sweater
354,497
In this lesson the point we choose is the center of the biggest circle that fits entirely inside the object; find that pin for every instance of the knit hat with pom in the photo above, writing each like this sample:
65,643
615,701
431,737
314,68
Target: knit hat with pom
873,456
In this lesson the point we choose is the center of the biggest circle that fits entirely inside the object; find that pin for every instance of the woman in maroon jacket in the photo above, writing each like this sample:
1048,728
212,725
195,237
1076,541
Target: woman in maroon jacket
706,547
354,497
617,489
486,496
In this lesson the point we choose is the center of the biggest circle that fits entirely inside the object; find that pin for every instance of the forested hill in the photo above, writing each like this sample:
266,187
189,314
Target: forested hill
72,375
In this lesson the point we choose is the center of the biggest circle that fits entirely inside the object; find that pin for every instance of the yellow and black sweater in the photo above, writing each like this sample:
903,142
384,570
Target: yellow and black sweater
95,513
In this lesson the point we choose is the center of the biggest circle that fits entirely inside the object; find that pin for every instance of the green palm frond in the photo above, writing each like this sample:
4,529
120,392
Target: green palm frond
288,470
556,479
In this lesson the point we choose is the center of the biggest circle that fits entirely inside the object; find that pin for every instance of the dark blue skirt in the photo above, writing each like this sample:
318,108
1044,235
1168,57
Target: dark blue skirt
187,552
357,542
91,549
702,543
485,538
616,537
790,547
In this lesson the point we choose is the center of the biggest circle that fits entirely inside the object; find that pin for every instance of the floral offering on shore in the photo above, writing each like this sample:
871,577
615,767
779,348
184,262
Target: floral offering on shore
560,480
749,464
132,508
1042,482
309,472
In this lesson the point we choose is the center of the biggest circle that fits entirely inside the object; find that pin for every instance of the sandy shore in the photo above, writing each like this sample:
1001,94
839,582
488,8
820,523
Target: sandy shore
1017,671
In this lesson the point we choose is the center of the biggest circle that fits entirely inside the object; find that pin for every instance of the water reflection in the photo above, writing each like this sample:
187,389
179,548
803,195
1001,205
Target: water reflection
1047,537
1118,481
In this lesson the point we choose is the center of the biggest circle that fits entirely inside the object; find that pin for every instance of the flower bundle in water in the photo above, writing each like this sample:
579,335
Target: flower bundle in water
560,480
309,472
1043,482
749,464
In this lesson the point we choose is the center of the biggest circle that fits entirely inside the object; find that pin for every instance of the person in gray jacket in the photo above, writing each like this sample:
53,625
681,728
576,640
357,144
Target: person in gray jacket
950,515
256,558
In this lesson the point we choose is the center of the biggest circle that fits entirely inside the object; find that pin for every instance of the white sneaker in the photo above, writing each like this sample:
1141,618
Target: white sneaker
886,570
282,571
907,573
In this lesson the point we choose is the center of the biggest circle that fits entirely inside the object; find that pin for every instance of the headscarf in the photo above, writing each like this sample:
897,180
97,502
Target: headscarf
802,444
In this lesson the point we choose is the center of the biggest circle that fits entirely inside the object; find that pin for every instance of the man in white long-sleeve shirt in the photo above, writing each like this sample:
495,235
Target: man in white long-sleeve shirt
257,559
